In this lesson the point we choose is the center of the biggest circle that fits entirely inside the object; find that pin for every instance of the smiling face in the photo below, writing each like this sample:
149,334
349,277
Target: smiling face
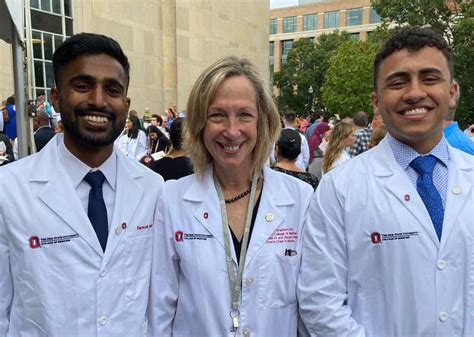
91,97
230,133
414,92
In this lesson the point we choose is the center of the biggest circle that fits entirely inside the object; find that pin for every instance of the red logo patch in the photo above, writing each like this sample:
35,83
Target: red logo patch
178,236
376,238
34,242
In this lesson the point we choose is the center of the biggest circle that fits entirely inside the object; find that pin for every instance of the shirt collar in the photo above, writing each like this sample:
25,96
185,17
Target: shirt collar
77,170
404,154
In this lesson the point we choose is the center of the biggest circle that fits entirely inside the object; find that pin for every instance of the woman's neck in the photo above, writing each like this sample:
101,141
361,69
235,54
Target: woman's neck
288,165
176,153
232,181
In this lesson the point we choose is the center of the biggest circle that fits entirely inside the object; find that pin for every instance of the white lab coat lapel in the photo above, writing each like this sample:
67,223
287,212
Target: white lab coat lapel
59,194
203,194
460,176
128,195
395,180
270,215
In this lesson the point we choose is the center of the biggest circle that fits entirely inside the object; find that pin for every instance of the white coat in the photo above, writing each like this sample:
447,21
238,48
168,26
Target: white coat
372,264
54,278
190,292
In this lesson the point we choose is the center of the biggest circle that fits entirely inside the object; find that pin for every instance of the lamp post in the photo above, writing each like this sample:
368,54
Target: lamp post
310,102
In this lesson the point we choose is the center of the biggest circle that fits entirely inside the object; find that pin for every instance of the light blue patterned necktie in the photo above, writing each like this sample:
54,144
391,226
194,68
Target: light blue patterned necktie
424,166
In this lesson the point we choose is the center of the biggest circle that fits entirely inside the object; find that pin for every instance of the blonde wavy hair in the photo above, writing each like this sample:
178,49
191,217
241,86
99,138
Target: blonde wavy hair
337,143
201,97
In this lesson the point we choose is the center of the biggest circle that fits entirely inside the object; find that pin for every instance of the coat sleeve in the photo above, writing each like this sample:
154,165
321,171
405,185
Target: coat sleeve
6,282
305,151
164,283
322,285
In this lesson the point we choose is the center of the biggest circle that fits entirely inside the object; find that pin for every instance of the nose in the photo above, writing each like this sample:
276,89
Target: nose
415,92
97,97
232,128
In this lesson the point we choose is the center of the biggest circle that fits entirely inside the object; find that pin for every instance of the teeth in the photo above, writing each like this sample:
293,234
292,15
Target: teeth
96,119
413,112
231,148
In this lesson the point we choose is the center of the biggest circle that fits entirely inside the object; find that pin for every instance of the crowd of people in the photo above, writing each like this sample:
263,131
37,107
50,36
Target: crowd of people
253,226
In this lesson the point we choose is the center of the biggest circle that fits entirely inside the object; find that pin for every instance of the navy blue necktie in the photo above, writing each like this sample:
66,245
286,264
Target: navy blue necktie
424,166
96,210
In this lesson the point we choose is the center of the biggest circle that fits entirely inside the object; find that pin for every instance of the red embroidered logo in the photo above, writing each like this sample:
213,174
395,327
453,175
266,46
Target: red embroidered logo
34,242
376,238
178,236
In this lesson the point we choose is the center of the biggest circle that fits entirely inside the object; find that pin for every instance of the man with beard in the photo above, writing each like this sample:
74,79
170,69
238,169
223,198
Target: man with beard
76,226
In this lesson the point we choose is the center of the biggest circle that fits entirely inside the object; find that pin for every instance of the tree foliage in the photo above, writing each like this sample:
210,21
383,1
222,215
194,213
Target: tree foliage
306,66
434,13
348,82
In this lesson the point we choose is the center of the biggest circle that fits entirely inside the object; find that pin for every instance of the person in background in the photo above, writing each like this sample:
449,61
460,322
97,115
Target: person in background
132,142
10,125
362,133
158,122
76,226
453,133
235,224
289,120
59,127
42,104
171,115
2,111
175,164
157,140
287,149
388,240
6,150
43,132
377,135
342,136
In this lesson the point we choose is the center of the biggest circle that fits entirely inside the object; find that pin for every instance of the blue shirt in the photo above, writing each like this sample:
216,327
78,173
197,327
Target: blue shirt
404,154
458,139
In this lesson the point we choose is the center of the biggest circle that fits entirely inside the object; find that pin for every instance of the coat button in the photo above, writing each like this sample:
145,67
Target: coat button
103,273
103,320
269,217
441,265
249,280
443,316
246,332
118,230
457,190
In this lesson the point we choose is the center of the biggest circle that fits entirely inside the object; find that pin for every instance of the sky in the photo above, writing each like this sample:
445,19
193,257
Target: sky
282,3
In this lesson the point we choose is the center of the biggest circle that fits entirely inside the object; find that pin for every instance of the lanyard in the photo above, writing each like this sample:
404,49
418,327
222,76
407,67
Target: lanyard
235,283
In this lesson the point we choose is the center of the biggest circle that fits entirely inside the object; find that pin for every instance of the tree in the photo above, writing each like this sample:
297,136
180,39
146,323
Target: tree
306,66
463,46
349,81
434,13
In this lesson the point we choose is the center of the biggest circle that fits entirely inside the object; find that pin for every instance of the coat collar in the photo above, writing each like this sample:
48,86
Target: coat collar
275,196
58,193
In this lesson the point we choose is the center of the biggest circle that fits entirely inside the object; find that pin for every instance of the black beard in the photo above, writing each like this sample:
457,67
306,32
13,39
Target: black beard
87,139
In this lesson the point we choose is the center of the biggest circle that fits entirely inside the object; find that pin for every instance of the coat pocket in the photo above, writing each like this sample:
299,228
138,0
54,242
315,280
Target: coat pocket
277,281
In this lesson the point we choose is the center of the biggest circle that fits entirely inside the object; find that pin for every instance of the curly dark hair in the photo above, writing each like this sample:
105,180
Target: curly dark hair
413,39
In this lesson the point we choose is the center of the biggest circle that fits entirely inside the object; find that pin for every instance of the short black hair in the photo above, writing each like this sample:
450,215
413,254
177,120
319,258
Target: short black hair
289,115
158,119
40,93
413,39
289,144
88,44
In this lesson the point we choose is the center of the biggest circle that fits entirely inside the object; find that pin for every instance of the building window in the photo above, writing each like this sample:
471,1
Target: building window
271,53
289,24
354,17
374,17
286,46
331,19
52,6
273,26
310,22
355,36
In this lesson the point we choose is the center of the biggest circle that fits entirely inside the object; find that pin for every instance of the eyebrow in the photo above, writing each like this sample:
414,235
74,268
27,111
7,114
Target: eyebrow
406,74
92,79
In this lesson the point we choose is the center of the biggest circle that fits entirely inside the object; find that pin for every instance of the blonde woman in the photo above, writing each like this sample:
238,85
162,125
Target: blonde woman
342,137
227,248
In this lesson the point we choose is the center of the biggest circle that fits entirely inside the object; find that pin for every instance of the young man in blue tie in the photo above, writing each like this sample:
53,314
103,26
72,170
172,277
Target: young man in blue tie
388,247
